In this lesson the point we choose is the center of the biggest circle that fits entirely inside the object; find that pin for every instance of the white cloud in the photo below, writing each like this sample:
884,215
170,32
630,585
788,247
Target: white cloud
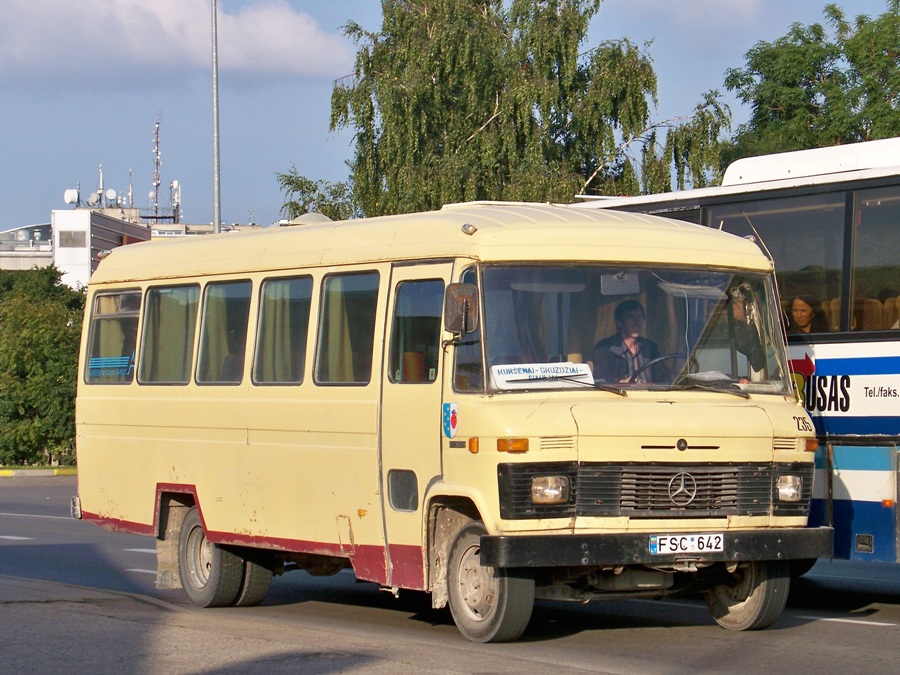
108,41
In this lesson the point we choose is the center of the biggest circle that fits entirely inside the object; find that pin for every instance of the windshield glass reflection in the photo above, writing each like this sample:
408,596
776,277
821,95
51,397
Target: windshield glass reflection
622,328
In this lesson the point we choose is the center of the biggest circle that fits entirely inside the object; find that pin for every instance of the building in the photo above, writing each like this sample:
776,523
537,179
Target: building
80,235
22,248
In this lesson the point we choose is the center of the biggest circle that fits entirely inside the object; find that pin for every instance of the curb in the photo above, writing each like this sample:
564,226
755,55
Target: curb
21,473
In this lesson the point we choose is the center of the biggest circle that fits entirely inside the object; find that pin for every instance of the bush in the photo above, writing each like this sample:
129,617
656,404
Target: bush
40,330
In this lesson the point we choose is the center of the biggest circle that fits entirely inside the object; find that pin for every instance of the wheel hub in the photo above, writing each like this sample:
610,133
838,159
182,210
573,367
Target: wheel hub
476,584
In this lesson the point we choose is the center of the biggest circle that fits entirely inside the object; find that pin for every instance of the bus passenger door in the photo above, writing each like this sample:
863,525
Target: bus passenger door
411,414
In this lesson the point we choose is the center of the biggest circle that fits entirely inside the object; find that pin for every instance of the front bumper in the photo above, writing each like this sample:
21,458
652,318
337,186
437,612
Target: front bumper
580,550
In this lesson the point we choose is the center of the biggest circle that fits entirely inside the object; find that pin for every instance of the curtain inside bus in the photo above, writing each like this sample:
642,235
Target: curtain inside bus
283,328
170,319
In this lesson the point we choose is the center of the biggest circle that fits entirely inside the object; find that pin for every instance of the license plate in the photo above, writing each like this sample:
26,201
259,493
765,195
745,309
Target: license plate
667,544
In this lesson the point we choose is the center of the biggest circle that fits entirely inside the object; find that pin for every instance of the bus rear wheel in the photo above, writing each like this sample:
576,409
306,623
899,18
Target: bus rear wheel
255,584
487,604
755,599
210,575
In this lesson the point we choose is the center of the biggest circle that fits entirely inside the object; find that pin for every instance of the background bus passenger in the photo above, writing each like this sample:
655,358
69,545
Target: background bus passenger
618,357
806,316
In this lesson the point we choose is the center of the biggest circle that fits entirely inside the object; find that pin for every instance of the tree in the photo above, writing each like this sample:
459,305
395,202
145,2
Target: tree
809,90
458,100
40,329
315,196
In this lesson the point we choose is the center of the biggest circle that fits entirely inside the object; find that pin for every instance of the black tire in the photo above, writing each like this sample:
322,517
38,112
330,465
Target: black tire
756,598
255,584
487,604
210,575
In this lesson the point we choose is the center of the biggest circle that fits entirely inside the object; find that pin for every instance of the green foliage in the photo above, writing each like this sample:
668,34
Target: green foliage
40,329
305,195
809,89
458,100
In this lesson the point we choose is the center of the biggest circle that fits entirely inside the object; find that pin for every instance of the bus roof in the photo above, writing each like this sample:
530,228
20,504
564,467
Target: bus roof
502,232
821,166
836,160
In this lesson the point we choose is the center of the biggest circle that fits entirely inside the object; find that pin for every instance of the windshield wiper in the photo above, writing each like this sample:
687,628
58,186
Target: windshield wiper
574,379
719,390
608,387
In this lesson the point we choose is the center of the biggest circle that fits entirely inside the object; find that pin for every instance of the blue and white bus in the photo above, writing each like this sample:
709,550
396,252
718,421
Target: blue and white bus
830,219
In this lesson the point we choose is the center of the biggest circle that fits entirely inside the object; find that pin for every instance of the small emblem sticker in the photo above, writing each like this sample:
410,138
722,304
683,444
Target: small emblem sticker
450,419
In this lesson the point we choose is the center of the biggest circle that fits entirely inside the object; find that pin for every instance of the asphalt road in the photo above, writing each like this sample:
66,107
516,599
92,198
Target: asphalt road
75,598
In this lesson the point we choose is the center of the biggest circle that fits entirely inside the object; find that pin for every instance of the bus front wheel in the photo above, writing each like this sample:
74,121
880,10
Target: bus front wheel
755,598
487,604
210,575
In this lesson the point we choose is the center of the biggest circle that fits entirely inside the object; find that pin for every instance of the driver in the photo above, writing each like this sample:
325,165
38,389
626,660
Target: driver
625,356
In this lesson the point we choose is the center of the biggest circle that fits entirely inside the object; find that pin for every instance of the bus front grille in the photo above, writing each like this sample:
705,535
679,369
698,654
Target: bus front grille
654,490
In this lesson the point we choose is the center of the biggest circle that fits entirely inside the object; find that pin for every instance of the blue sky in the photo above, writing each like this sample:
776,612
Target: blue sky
82,83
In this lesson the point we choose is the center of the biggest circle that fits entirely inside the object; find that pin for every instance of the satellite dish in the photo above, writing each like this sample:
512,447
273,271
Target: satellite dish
70,196
93,199
110,195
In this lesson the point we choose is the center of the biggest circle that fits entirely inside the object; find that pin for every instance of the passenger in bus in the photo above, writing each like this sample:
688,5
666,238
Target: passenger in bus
806,316
625,356
888,297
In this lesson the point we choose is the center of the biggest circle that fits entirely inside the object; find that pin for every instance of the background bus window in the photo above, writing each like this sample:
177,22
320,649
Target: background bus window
805,236
283,329
690,214
416,332
347,329
223,332
167,342
876,269
114,320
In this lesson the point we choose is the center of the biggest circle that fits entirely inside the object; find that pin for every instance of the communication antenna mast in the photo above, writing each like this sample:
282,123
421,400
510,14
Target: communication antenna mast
157,161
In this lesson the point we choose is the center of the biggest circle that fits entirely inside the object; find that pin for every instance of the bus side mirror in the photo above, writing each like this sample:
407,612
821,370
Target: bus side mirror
461,308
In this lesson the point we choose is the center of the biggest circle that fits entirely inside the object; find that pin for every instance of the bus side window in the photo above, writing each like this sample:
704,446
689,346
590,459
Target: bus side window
347,328
167,337
805,236
876,273
416,331
223,332
283,328
113,335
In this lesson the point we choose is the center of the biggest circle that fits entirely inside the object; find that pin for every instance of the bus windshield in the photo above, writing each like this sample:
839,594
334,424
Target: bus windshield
626,328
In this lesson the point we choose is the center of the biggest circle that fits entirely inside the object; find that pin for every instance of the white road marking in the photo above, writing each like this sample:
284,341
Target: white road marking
860,622
12,538
141,550
34,515
142,571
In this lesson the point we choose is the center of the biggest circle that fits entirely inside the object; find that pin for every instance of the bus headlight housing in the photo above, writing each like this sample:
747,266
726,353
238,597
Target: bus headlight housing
550,489
789,488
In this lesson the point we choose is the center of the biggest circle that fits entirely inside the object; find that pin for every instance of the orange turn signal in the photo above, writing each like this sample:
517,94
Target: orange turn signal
512,445
812,444
473,445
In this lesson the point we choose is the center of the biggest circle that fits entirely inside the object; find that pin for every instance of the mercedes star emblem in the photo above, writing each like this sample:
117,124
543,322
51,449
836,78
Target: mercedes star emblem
682,489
